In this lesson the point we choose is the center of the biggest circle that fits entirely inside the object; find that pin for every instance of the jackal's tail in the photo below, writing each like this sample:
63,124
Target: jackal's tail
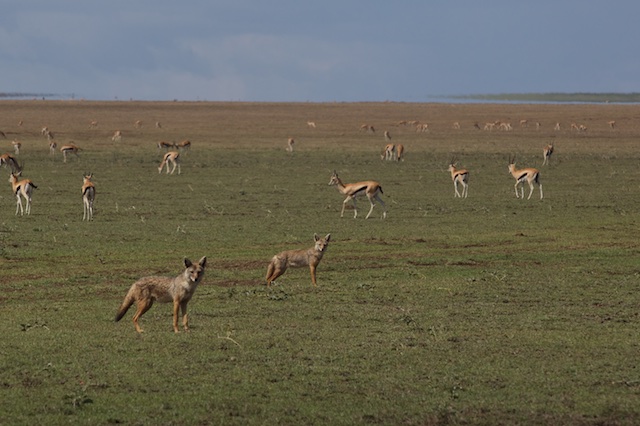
126,304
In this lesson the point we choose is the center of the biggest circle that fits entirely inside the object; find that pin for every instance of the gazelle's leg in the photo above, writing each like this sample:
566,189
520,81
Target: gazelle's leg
344,205
384,206
371,209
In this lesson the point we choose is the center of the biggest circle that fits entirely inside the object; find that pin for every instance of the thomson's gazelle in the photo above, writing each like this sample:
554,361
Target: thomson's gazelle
88,196
172,157
399,152
389,152
69,149
546,153
22,188
370,188
459,176
528,175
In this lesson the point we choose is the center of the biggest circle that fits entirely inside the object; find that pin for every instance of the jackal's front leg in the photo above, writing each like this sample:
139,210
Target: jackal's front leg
185,317
313,274
176,312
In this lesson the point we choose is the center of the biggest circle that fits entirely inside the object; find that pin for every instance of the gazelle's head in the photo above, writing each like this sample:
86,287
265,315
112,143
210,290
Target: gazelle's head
335,180
87,177
321,243
13,177
452,164
512,163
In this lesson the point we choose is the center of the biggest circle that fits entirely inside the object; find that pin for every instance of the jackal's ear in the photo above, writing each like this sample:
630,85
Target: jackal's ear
203,262
187,262
316,237
328,237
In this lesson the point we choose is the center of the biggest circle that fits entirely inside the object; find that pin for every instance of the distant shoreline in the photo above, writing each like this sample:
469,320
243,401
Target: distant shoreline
552,97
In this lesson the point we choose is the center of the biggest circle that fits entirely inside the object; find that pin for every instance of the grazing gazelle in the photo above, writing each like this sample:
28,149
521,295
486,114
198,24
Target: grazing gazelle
368,128
528,175
546,154
117,136
290,143
24,189
185,145
399,152
172,157
389,152
69,149
9,161
166,145
459,176
370,188
88,196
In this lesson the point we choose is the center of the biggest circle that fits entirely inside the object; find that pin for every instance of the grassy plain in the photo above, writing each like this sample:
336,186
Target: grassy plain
488,310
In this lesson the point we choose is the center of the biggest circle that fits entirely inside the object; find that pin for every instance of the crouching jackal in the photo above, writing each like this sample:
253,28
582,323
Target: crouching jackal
297,258
178,290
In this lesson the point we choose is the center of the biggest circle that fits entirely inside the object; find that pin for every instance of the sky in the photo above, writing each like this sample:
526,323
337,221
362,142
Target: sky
316,51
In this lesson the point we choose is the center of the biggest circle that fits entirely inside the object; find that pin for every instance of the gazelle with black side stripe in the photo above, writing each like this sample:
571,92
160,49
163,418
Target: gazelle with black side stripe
88,196
546,153
389,152
171,157
461,177
23,188
69,148
521,176
371,189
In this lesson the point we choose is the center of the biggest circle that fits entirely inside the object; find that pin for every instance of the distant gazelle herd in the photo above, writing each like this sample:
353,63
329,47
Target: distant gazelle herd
23,188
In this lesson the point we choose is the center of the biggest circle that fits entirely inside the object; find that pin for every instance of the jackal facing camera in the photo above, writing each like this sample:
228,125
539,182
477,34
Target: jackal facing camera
297,258
178,290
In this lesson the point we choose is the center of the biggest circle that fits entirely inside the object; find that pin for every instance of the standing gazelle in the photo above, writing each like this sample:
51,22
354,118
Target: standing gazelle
546,154
459,176
172,157
529,175
88,196
370,188
24,189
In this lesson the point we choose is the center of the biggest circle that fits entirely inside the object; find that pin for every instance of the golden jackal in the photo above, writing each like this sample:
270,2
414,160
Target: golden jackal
297,258
178,290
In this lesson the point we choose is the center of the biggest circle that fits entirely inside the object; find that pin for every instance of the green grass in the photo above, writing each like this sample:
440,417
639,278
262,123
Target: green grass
489,310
